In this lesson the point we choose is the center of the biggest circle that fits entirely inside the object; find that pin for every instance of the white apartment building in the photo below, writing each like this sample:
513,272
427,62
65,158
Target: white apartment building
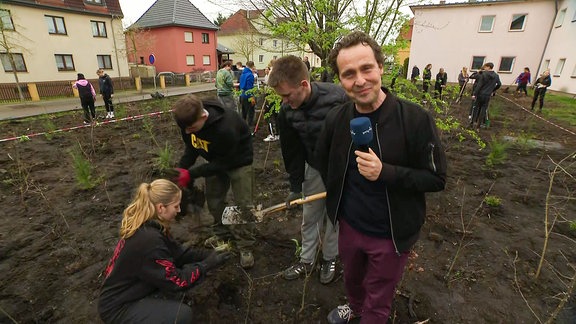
512,34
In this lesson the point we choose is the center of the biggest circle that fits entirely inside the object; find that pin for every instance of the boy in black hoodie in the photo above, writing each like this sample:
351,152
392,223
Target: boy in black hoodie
487,82
223,139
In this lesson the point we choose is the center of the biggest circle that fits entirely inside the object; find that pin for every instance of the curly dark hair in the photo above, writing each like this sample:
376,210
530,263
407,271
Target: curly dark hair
353,39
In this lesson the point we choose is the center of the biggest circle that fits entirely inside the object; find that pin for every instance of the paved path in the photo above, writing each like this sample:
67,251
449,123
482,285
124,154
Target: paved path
31,108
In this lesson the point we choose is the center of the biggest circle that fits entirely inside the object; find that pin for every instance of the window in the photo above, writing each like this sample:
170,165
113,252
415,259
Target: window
546,65
560,18
517,23
477,62
64,62
275,57
574,18
506,64
574,72
188,37
260,58
93,1
6,20
99,29
205,38
275,43
104,62
55,25
261,40
190,60
206,59
18,62
559,67
486,24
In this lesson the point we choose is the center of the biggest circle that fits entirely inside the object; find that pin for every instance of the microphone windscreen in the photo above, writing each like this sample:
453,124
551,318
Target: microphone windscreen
361,131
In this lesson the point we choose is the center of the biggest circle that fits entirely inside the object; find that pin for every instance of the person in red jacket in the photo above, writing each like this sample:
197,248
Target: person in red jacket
148,266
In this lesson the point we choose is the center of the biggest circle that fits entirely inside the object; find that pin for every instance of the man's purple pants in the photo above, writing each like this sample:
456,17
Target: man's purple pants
372,269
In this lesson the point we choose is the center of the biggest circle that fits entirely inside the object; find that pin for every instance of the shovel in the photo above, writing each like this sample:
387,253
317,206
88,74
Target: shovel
233,215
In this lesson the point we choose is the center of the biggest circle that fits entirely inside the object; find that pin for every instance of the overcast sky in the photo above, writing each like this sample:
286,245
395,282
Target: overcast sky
134,9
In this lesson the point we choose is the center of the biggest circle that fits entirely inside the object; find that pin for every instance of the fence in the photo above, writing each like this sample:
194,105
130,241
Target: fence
9,92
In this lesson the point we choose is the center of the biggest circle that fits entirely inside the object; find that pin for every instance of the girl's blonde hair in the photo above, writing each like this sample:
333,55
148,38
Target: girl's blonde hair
143,206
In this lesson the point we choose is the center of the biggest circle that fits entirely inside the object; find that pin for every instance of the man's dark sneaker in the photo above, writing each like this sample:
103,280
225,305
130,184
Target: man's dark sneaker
327,271
341,315
297,270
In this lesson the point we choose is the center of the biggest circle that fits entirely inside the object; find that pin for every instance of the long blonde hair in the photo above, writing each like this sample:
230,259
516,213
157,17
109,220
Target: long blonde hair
143,206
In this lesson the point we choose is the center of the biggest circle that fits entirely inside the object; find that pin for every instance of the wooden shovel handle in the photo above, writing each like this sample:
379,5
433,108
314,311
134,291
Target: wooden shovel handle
299,201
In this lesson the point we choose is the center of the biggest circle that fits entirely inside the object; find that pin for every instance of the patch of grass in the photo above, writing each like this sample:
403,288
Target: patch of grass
298,247
560,107
497,153
493,201
50,127
573,226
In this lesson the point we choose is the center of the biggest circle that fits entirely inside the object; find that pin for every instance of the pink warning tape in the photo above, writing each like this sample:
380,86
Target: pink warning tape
97,124
540,117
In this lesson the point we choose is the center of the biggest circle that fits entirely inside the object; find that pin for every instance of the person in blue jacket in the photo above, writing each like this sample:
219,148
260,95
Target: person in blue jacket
247,99
148,266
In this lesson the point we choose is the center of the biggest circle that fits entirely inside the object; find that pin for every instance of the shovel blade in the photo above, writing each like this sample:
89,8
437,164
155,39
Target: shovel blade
233,215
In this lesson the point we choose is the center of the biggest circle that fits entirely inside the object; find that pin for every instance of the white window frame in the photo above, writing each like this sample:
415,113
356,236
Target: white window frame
560,18
205,38
6,17
546,65
190,60
275,43
472,68
574,72
94,1
500,70
260,58
516,16
480,30
188,37
205,59
559,67
261,41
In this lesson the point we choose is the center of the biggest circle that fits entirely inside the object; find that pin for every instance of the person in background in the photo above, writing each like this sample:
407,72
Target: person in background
225,86
485,86
87,96
542,83
107,92
272,115
238,68
304,107
426,78
440,84
247,99
415,74
221,138
376,197
523,79
462,78
148,266
397,71
305,59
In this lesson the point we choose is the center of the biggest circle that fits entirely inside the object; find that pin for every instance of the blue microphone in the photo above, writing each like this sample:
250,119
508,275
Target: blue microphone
361,131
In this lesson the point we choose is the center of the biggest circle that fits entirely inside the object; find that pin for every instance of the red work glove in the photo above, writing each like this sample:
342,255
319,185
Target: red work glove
183,178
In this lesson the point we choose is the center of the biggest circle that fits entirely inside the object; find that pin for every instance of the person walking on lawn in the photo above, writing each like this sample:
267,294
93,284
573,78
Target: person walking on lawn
222,138
377,197
304,107
542,83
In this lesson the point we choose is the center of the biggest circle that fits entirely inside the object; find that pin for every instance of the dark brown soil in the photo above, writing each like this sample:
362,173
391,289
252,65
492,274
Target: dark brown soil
473,264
